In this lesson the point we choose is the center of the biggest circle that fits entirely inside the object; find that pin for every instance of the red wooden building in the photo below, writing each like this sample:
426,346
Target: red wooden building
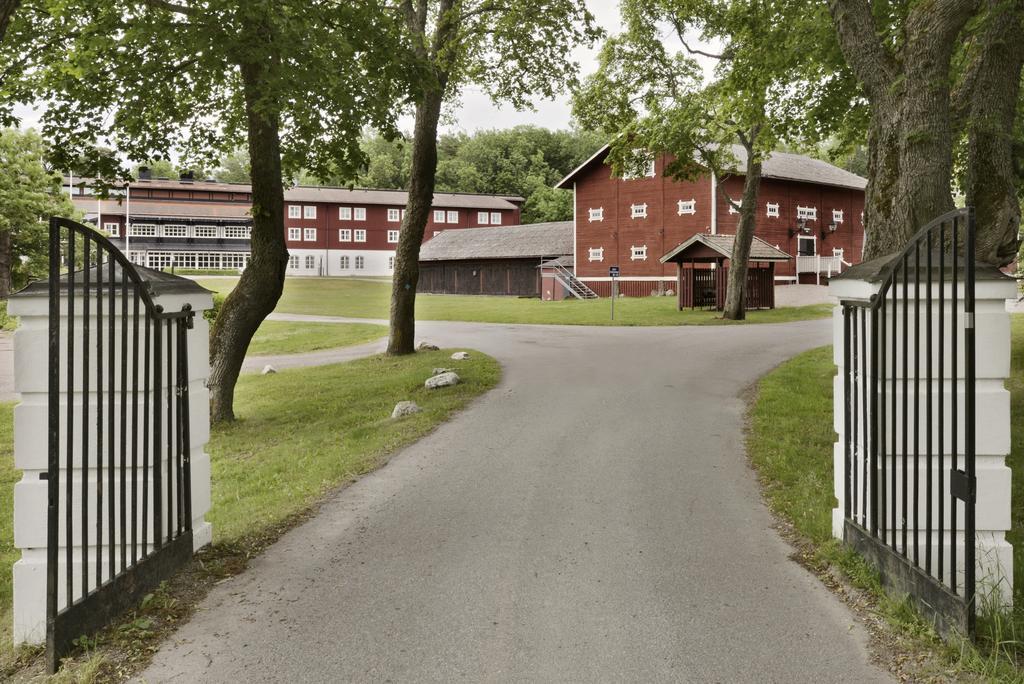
806,207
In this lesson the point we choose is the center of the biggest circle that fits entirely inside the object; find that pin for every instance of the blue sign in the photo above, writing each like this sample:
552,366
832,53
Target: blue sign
613,271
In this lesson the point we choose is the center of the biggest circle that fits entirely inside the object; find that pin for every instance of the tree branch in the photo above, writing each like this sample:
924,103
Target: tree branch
870,60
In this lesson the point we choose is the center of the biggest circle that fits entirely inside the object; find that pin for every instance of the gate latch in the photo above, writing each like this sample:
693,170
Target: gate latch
961,486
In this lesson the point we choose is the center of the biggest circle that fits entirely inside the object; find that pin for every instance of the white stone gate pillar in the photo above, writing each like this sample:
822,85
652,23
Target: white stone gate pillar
31,428
994,555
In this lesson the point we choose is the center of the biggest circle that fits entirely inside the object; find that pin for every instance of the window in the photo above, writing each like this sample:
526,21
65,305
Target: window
142,230
734,207
638,211
294,233
360,235
205,260
392,236
394,215
345,213
453,217
495,218
309,234
309,212
344,262
239,260
391,263
807,213
238,232
596,254
646,170
806,245
310,262
595,214
293,261
205,231
294,211
359,213
773,209
360,262
638,253
483,218
176,231
837,216
438,216
344,235
112,228
688,207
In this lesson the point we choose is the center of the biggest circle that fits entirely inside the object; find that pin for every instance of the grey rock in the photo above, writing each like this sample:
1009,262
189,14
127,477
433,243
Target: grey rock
426,346
405,408
669,293
443,380
460,356
438,371
268,370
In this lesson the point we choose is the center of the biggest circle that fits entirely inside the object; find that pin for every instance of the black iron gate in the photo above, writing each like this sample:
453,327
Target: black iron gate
120,522
909,425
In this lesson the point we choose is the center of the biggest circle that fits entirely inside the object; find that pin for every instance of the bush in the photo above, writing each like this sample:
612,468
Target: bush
6,322
211,314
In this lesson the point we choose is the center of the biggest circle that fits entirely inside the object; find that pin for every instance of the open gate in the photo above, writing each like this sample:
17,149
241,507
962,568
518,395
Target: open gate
121,521
909,421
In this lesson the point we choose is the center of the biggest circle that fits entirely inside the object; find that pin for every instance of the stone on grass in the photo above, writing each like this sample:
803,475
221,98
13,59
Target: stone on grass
268,369
669,293
443,380
405,408
426,346
438,371
460,356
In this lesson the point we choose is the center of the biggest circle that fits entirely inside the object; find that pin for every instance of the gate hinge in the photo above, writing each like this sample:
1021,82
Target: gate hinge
961,486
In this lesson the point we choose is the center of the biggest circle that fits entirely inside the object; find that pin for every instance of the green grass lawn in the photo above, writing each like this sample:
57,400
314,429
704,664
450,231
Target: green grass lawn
285,337
8,555
371,299
790,442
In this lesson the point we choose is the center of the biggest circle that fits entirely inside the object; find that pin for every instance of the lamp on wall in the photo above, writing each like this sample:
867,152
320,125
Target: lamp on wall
801,227
826,230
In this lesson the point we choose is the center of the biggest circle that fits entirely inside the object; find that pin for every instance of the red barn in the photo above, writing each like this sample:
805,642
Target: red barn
806,207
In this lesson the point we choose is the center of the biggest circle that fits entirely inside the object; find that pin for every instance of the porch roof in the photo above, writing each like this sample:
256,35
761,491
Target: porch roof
722,245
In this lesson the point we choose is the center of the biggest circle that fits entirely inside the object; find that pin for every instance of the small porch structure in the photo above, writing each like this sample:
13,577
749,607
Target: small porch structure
703,271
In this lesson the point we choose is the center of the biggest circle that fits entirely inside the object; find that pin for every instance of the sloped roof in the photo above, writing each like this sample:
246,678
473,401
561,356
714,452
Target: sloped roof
759,249
778,165
534,240
141,208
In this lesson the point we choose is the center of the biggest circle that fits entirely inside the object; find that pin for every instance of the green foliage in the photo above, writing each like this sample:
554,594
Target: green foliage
234,167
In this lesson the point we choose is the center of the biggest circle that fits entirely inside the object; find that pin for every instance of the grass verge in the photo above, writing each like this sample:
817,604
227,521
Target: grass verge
285,337
790,442
300,434
371,299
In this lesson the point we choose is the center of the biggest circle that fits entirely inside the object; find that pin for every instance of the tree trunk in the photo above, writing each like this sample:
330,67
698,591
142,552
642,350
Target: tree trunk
6,272
261,283
736,288
989,100
417,210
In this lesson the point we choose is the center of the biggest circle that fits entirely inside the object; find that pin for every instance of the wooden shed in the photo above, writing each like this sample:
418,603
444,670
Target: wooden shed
492,261
703,271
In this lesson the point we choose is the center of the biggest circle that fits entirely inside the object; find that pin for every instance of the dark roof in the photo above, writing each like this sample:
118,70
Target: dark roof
779,165
535,240
159,282
759,249
565,261
142,209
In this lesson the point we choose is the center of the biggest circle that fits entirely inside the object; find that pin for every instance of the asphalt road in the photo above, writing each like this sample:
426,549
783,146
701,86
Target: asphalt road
592,519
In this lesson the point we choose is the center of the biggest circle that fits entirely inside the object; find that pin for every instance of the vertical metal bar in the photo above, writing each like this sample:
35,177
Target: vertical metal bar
969,427
124,420
158,538
186,438
883,367
86,376
893,421
146,421
847,411
930,466
111,396
135,424
53,443
906,394
941,493
865,385
854,451
100,425
69,438
954,378
873,422
170,428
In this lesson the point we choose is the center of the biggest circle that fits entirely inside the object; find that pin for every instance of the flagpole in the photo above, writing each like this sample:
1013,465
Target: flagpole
127,217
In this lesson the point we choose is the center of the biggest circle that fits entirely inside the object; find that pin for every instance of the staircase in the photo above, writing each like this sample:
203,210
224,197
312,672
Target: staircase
577,287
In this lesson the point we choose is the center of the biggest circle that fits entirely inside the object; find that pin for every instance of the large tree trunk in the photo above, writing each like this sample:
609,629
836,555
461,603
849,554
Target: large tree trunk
261,283
417,210
6,271
736,288
988,102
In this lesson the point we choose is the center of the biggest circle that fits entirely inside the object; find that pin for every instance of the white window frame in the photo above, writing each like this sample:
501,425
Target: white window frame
309,234
453,216
495,218
483,218
344,213
360,235
638,210
293,262
837,216
358,213
142,230
772,209
294,211
595,214
242,232
394,215
687,207
177,230
806,213
595,254
310,262
344,235
814,242
196,229
439,216
393,236
309,211
734,207
113,229
360,262
295,234
344,262
391,263
638,253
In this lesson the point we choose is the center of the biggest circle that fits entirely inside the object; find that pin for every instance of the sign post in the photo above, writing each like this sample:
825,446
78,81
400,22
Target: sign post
613,271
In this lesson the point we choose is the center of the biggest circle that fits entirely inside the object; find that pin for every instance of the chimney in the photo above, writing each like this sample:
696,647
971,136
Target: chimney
145,173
